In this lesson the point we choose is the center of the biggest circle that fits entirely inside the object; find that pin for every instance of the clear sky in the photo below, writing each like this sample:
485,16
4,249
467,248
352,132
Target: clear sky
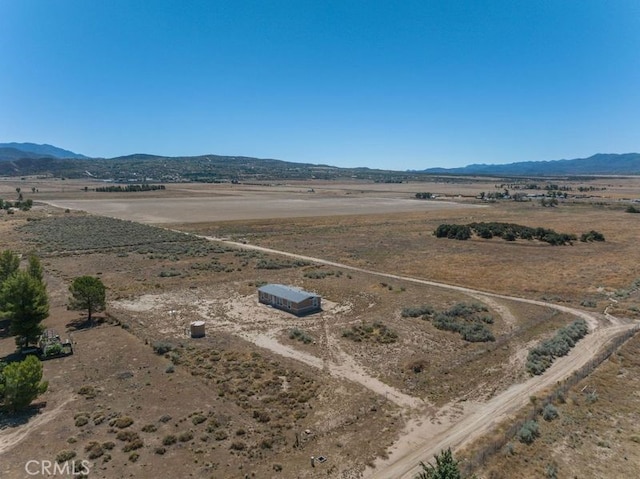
396,84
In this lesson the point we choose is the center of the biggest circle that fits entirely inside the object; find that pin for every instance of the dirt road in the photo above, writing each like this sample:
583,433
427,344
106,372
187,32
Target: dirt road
422,439
10,437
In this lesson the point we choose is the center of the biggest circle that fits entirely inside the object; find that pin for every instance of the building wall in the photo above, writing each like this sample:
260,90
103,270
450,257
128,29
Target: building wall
303,307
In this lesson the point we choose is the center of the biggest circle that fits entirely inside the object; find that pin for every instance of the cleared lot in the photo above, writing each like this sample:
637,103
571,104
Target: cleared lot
186,210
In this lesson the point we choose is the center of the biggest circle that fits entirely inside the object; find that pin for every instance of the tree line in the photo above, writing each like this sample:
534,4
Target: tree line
512,232
129,188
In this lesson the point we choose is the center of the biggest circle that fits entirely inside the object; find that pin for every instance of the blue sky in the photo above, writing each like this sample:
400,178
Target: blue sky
387,84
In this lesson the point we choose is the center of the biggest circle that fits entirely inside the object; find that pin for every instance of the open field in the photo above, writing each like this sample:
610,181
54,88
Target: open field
388,399
595,432
197,203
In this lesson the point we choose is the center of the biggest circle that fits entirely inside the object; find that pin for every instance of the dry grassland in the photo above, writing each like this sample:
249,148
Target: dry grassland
404,243
595,434
240,400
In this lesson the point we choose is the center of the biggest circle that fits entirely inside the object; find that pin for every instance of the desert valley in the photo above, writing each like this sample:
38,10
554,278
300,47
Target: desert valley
423,341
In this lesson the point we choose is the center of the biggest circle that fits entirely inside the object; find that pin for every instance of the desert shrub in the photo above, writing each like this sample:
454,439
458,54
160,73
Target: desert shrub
65,455
127,436
80,233
591,236
300,335
476,333
321,274
162,347
169,439
632,209
94,450
220,435
508,449
261,416
549,413
186,436
87,391
466,309
528,432
198,419
165,418
417,311
81,421
133,445
418,365
376,332
169,274
121,422
108,445
238,446
588,303
273,264
160,450
134,456
149,428
541,356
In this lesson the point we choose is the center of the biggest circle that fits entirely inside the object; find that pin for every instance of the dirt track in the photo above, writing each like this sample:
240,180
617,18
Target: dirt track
10,438
422,439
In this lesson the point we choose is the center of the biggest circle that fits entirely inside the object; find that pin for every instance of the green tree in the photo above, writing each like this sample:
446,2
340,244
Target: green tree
446,467
25,303
34,268
20,383
87,293
9,264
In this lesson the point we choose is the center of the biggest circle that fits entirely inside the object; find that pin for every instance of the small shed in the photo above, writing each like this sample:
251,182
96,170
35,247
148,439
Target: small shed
288,298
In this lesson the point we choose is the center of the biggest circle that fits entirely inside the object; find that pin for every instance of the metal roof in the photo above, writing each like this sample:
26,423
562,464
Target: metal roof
287,292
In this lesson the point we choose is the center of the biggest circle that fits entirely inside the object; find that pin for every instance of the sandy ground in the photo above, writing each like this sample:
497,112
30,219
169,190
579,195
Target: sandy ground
260,324
185,210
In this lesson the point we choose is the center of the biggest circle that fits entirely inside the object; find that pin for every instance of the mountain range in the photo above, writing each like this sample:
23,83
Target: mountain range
599,164
16,151
31,158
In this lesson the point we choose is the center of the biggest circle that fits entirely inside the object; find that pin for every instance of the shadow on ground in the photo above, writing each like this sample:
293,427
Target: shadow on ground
15,420
84,323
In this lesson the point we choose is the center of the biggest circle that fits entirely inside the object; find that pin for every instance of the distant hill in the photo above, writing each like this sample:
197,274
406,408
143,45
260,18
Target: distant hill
599,164
11,154
22,159
206,168
33,150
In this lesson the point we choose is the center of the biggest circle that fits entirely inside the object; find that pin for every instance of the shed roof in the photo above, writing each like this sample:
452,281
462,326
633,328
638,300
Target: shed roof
287,292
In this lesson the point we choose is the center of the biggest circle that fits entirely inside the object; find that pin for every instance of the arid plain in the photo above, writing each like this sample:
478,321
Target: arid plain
253,400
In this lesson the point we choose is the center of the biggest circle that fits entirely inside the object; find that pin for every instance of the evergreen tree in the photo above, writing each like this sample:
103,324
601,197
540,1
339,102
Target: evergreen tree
446,467
34,268
9,263
24,301
87,293
21,383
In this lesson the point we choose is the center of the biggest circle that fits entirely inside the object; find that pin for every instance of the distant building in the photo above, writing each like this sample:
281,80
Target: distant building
289,299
